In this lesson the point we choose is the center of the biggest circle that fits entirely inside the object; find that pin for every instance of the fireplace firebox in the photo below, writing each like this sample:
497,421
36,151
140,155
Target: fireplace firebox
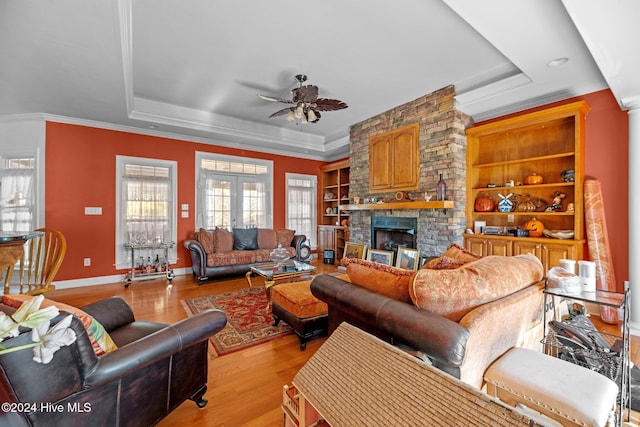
390,232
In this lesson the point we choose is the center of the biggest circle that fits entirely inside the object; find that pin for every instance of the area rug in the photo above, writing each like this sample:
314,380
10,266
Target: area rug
249,322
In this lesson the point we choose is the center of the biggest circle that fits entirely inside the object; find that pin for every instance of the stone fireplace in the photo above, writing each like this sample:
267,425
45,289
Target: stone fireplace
442,146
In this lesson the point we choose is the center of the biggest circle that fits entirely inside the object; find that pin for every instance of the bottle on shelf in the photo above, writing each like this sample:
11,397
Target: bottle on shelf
441,189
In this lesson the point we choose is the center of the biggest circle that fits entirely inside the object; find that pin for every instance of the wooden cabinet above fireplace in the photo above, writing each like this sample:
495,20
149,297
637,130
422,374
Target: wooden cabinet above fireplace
394,160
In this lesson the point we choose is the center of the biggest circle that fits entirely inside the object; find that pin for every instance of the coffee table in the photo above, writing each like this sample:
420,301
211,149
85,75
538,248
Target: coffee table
273,273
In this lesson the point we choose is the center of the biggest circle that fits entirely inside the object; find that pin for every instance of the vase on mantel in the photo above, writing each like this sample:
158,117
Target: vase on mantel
441,189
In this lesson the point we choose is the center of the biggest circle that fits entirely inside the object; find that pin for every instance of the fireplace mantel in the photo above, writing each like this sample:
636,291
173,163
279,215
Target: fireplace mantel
443,204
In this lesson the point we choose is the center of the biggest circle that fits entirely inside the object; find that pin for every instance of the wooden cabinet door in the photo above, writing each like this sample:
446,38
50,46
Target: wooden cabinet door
380,162
553,253
394,160
499,247
475,245
405,159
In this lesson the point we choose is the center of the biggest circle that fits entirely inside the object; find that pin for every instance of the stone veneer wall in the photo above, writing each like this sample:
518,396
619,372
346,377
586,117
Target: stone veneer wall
442,150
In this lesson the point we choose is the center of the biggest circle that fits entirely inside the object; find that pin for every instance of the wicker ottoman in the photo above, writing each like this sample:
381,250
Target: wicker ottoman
294,304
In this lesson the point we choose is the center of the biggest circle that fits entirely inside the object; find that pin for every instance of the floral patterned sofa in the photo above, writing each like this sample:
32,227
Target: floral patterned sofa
460,311
220,252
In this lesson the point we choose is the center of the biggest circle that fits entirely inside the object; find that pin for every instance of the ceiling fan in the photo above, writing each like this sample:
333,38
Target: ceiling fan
306,104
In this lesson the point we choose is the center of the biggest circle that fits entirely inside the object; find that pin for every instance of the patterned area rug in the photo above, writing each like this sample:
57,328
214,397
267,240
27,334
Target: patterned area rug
249,322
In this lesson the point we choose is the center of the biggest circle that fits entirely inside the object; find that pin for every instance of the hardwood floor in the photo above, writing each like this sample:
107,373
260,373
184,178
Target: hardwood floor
244,388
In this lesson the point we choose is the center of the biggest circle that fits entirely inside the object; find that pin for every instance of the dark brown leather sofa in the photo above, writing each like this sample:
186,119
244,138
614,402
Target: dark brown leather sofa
155,368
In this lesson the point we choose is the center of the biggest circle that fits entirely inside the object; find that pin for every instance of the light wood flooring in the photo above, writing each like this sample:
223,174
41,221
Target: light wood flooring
244,388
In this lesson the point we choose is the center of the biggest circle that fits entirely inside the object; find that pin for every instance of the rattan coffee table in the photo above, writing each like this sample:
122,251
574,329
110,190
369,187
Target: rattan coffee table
288,271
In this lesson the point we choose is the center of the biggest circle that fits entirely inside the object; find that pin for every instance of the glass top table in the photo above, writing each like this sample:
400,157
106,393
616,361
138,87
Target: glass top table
273,273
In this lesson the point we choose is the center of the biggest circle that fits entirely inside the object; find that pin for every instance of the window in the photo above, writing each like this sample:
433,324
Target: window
301,204
145,205
17,194
233,192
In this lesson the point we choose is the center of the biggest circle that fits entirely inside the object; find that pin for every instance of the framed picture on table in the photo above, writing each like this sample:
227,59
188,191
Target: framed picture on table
380,256
408,258
355,250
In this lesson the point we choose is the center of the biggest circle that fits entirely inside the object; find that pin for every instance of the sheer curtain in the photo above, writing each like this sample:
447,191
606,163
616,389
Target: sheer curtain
17,199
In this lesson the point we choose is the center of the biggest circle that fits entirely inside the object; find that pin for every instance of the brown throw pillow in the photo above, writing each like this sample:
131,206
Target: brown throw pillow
205,237
389,281
267,238
285,237
223,240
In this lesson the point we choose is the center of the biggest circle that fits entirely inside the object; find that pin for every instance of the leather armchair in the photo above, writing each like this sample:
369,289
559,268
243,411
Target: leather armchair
155,368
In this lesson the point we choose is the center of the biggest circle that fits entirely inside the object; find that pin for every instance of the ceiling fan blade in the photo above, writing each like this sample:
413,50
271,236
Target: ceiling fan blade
275,99
327,104
280,112
307,94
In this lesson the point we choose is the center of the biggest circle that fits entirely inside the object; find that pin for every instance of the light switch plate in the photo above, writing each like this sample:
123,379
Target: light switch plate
89,210
184,206
185,214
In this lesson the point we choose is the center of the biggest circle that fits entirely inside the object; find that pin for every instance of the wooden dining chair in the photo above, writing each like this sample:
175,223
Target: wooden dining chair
34,272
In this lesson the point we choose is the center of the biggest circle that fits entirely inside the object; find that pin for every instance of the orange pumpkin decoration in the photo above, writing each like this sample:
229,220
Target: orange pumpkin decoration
534,227
533,179
484,203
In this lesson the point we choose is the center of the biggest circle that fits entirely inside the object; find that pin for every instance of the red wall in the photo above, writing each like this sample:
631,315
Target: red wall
607,160
80,172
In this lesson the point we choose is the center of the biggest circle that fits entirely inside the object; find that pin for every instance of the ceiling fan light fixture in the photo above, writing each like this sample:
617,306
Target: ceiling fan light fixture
299,111
311,116
291,115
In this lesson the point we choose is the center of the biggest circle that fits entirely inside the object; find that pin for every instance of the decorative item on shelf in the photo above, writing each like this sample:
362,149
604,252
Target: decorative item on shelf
505,205
559,234
441,189
533,179
556,204
344,222
571,208
402,196
279,254
328,211
356,200
329,195
525,203
568,175
535,227
509,183
335,210
484,203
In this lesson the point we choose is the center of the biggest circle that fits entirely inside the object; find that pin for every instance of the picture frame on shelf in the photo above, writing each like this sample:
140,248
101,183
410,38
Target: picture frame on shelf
407,258
355,250
380,256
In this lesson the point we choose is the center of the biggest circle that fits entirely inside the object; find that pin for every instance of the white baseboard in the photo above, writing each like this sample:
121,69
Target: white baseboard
104,280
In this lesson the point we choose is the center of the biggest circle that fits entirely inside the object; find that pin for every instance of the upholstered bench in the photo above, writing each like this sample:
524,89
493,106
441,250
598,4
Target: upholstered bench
294,304
560,390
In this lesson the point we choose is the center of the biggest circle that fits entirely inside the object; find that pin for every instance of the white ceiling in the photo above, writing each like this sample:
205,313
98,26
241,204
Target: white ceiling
193,68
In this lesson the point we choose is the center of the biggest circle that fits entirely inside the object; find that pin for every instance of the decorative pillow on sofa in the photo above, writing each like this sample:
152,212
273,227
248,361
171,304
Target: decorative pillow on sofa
386,280
245,239
100,340
456,253
205,237
452,293
223,240
267,238
285,237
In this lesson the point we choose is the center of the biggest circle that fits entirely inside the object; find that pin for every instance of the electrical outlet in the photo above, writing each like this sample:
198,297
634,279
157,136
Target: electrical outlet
511,218
87,262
